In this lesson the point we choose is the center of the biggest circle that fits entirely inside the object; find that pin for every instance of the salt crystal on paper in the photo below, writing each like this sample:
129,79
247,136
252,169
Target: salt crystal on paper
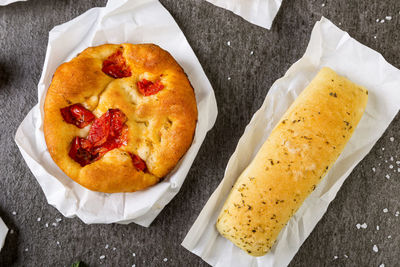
375,248
385,210
102,257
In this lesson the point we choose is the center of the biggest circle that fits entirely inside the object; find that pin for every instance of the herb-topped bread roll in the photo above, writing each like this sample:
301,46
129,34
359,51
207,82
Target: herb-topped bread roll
293,160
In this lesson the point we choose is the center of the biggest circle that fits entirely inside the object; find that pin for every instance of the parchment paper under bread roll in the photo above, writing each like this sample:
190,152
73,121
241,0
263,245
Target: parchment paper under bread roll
296,156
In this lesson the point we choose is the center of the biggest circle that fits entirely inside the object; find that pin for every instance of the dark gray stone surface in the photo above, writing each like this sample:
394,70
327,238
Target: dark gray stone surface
24,31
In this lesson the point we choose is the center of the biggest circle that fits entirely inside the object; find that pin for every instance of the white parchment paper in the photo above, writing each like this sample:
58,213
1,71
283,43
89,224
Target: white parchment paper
7,2
132,21
3,233
332,47
258,12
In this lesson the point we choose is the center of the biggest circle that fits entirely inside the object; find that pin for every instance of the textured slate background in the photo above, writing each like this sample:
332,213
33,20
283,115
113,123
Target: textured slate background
24,31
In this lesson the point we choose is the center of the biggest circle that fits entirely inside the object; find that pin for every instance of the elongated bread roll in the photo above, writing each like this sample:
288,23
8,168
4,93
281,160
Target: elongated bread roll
291,163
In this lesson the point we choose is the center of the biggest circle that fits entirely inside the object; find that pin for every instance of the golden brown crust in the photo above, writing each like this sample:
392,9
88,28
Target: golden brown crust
161,126
291,163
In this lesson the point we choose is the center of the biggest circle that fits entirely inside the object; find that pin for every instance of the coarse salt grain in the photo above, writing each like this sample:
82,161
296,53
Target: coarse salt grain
346,256
389,236
391,139
390,166
54,224
373,169
391,159
387,176
382,265
364,226
398,162
58,220
58,243
382,20
106,247
377,227
47,224
133,265
114,248
388,17
375,248
26,249
385,210
383,148
251,52
102,257
134,254
335,257
165,259
14,213
229,78
11,231
397,214
323,4
39,219
228,43
398,169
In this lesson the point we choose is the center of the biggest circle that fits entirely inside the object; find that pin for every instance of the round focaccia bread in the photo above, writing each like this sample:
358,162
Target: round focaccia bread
118,118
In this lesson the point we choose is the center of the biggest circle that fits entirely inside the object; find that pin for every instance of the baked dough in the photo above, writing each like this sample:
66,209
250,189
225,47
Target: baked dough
291,163
147,85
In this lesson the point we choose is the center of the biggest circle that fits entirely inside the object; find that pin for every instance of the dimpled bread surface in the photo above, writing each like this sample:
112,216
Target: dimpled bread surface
296,156
160,126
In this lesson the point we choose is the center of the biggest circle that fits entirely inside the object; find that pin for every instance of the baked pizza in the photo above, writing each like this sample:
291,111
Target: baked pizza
118,118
